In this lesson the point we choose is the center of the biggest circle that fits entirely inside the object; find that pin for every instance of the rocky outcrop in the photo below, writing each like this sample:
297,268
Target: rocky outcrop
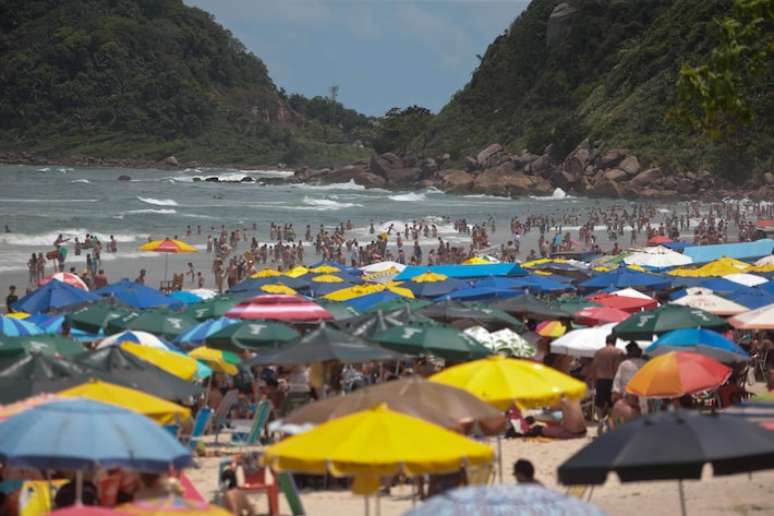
394,170
454,181
506,180
490,156
560,23
358,174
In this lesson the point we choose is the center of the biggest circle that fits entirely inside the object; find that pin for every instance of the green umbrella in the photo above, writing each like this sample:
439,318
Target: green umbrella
399,303
161,323
95,317
251,335
51,345
643,325
211,308
574,304
340,311
532,307
480,313
442,341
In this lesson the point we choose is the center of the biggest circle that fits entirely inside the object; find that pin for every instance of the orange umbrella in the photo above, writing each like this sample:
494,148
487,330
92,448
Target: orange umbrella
676,374
551,329
167,246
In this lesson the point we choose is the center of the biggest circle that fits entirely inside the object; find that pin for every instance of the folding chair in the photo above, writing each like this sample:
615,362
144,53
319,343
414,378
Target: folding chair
218,421
200,423
248,436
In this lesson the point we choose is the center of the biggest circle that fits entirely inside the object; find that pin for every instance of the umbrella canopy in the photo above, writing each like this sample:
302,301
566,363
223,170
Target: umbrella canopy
677,373
448,311
65,277
138,337
532,307
573,304
339,311
643,325
325,269
396,303
504,381
12,327
705,300
658,258
266,273
203,293
253,285
357,291
280,308
505,342
136,295
503,500
638,450
124,368
759,319
80,434
368,325
95,317
440,404
326,344
436,288
34,374
720,267
376,443
327,278
658,240
168,246
163,323
551,329
535,284
211,308
482,293
220,361
698,340
12,409
371,301
378,267
199,333
251,335
161,411
752,298
54,296
625,303
623,277
53,345
278,288
748,280
584,342
595,315
185,297
179,365
442,341
429,277
171,505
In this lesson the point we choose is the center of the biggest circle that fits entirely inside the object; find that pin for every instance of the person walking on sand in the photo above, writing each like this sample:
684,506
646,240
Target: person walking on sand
10,299
32,266
604,366
140,279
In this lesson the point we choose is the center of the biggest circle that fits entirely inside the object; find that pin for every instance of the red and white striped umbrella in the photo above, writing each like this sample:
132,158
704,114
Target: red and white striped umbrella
279,308
65,277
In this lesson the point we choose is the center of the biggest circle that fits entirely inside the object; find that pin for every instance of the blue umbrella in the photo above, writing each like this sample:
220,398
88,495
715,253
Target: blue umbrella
503,500
698,340
436,288
17,328
623,277
54,296
767,287
136,295
752,298
362,303
535,284
720,286
52,325
354,271
185,297
84,434
196,335
483,293
321,289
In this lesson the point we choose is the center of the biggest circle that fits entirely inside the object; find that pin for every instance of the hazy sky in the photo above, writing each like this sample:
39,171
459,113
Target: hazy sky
381,53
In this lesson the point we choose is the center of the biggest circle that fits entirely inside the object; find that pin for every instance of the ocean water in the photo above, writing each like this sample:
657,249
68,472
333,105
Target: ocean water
38,203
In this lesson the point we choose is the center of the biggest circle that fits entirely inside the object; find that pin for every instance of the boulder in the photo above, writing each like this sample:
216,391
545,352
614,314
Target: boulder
565,180
381,164
171,161
358,174
604,187
647,177
403,176
768,178
471,165
615,175
630,165
560,23
669,183
541,166
578,160
425,183
490,156
456,181
429,167
123,177
611,158
506,180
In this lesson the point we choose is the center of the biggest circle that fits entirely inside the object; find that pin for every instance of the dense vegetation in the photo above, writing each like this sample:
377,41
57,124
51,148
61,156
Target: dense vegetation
146,79
613,74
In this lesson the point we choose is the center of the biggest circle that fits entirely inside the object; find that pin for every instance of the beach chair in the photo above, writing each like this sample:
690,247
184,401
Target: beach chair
200,423
250,435
255,481
287,485
219,418
581,492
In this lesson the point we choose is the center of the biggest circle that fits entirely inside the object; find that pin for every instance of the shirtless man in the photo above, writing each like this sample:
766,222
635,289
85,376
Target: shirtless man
603,368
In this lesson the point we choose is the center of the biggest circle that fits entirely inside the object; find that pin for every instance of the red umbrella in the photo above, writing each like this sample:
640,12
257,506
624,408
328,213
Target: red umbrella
659,239
594,315
65,277
86,510
676,374
625,303
279,307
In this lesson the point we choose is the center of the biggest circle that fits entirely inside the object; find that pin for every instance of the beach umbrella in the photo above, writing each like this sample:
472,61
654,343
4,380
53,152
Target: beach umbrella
595,315
584,342
54,296
623,277
766,260
574,304
720,286
503,382
266,273
138,337
442,341
532,307
185,297
533,283
79,434
12,327
373,444
375,268
326,344
677,373
720,267
16,407
436,288
349,292
574,270
625,303
698,340
279,307
767,287
199,333
53,345
277,288
752,298
179,365
218,360
706,300
481,294
35,373
429,277
436,403
86,510
297,271
552,329
759,319
253,285
157,409
211,308
327,278
672,446
338,310
657,258
397,303
171,505
167,246
203,293
759,411
368,302
367,325
94,317
135,295
504,341
643,325
166,324
325,269
748,280
18,315
251,335
503,500
124,368
448,311
477,260
659,240
65,277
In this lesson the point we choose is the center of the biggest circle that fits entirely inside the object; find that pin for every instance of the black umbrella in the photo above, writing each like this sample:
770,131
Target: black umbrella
532,307
325,344
36,374
116,365
672,446
493,318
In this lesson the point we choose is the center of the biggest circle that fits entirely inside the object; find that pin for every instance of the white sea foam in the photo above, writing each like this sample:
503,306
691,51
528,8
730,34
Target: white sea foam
407,197
157,202
486,196
557,195
47,239
434,190
84,181
159,211
350,185
50,201
326,204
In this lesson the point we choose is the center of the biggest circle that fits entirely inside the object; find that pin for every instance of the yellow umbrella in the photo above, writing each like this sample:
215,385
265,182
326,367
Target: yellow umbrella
214,359
429,277
325,269
345,294
267,273
476,260
277,288
385,275
376,443
18,315
168,246
297,271
761,268
171,505
327,278
182,366
401,291
503,381
720,267
541,261
161,411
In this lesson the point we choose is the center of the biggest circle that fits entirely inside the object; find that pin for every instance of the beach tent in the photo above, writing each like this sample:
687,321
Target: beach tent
463,271
740,251
135,295
54,296
623,277
279,307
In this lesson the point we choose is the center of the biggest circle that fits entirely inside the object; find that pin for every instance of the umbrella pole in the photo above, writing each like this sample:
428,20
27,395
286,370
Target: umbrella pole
366,505
500,458
78,487
166,263
378,505
682,498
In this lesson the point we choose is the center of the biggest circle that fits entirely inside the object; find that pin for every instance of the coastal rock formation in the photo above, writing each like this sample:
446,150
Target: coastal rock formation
358,174
454,181
394,169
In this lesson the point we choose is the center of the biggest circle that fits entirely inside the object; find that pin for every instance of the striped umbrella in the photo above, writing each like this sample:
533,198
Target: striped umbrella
17,328
197,335
65,277
138,337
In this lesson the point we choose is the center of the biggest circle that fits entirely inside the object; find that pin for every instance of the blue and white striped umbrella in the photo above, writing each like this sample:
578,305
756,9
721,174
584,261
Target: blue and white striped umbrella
196,335
139,337
17,328
185,296
52,325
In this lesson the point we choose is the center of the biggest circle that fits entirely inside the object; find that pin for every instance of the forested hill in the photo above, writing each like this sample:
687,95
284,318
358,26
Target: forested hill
146,79
567,70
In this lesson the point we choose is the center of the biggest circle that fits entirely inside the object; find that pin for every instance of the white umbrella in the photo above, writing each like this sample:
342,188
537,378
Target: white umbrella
630,292
759,319
657,257
382,266
587,341
766,260
748,280
203,293
139,337
706,300
502,341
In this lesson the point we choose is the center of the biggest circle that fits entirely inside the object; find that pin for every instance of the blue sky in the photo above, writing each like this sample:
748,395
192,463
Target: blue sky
381,53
